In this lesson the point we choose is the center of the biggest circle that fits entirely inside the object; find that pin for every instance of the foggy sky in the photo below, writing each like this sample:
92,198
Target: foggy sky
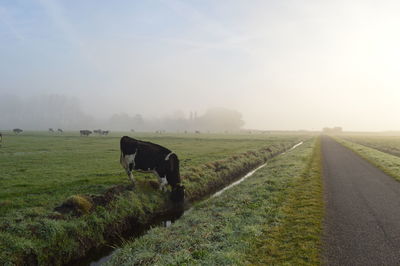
282,64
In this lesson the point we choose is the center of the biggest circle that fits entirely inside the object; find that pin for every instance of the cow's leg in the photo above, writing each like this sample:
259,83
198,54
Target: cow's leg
128,162
162,178
129,172
163,183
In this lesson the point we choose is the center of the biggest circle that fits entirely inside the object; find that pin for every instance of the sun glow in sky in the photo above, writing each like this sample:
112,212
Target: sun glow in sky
282,64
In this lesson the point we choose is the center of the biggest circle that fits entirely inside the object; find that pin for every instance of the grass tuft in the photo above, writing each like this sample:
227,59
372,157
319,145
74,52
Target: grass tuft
81,203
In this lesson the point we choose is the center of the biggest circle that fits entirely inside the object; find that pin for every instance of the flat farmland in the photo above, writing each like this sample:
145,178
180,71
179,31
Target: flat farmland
39,171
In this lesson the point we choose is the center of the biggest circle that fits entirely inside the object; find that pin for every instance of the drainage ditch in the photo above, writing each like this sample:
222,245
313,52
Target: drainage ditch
103,253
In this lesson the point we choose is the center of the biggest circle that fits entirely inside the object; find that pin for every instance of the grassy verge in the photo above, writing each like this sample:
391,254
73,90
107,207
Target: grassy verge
294,238
234,228
36,235
387,144
388,163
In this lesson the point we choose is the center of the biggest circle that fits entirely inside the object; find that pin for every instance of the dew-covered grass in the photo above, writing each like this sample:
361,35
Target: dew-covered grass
39,171
272,218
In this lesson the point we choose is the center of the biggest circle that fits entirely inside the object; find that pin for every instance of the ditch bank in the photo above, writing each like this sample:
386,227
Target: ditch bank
225,229
100,255
90,222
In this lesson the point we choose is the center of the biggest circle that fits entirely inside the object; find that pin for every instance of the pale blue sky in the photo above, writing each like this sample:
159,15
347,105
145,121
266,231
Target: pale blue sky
282,64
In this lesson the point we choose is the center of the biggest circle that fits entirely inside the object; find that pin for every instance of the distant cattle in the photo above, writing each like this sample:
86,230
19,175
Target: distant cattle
51,130
59,130
101,132
1,139
145,156
17,130
85,132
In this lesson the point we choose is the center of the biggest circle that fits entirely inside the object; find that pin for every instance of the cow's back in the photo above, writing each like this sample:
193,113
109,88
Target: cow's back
150,155
147,155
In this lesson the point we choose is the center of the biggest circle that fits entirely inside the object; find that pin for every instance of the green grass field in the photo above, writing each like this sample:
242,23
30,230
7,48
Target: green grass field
39,171
272,218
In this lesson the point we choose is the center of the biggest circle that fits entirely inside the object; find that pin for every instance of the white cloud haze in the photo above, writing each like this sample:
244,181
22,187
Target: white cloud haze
282,64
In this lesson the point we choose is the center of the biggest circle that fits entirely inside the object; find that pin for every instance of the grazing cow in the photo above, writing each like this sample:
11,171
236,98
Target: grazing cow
60,130
149,157
17,130
51,130
97,131
105,132
85,132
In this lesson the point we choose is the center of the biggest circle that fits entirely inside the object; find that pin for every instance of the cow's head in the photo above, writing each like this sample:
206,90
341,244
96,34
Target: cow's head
178,193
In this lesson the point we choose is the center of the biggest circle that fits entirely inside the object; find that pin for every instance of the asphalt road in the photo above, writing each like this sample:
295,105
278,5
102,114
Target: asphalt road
362,219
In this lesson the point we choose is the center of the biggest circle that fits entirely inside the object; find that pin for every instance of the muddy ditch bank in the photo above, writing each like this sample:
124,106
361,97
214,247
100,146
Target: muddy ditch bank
87,224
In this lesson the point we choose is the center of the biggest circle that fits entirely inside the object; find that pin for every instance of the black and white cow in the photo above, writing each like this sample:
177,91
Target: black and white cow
85,132
17,130
145,156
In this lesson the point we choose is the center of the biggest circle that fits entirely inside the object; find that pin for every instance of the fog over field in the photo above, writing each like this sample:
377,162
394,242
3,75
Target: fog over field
283,65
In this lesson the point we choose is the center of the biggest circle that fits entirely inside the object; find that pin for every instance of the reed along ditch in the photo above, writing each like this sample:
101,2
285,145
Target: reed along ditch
99,255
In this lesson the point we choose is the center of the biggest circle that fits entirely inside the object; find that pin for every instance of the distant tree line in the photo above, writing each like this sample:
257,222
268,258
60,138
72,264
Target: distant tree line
45,112
213,120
